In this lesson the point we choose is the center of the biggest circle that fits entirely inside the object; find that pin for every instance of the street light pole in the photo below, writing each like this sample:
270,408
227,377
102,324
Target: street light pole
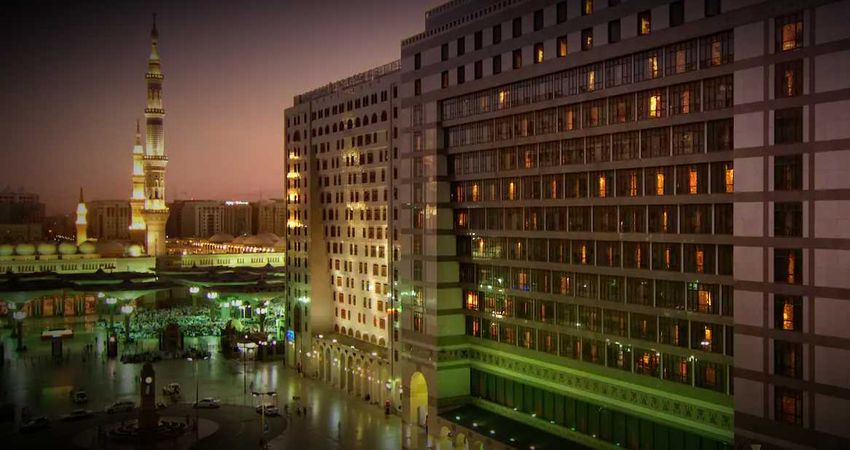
127,310
193,291
111,301
20,316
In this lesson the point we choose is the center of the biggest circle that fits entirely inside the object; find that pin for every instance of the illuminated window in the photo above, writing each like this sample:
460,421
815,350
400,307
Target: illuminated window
692,181
475,193
665,221
538,53
587,39
633,184
562,46
788,405
586,7
512,195
729,178
789,32
472,300
659,183
503,98
788,313
603,186
655,105
591,80
700,261
644,23
584,253
653,67
789,79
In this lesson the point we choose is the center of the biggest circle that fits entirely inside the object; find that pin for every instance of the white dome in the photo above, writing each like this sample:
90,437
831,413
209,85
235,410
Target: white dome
221,238
67,248
110,248
269,236
25,249
46,248
240,239
7,249
134,250
87,248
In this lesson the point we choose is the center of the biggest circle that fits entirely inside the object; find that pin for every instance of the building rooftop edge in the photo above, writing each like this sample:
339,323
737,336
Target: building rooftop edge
349,82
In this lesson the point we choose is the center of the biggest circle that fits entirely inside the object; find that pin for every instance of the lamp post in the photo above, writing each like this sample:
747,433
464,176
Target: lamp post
262,311
237,304
19,316
212,296
262,396
127,310
193,291
111,301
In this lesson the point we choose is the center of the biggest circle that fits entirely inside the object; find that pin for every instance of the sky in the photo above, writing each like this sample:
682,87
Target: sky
72,87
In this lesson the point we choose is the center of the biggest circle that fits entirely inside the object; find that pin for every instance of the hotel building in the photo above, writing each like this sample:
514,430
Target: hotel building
622,224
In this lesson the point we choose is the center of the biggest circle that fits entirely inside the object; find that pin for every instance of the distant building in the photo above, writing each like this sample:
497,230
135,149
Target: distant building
109,219
204,218
21,216
269,216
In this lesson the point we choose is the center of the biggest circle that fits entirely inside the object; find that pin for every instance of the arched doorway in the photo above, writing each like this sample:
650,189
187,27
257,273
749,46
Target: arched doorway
418,412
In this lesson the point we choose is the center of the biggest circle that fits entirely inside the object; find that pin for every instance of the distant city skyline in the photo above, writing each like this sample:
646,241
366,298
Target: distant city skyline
79,88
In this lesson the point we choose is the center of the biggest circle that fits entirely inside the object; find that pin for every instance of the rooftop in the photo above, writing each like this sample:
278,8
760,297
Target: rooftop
350,82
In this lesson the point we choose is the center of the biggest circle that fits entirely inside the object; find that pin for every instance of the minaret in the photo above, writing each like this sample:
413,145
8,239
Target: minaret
155,212
82,224
137,199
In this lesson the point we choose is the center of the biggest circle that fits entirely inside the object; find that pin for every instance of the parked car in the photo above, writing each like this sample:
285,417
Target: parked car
270,410
121,406
79,397
35,424
172,389
208,403
78,414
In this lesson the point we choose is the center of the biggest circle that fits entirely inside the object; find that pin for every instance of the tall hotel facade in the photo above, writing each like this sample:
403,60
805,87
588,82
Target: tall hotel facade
620,224
339,185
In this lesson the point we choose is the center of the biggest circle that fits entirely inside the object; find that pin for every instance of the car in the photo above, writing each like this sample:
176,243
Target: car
35,424
208,403
161,405
172,389
120,406
78,414
79,397
270,410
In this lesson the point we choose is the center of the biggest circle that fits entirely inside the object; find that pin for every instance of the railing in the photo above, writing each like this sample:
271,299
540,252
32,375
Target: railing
350,82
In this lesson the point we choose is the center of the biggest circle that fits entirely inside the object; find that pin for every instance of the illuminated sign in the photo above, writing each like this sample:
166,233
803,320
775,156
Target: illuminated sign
290,336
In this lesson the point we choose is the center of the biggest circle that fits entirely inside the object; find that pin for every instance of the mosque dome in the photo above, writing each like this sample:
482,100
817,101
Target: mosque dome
87,248
25,249
67,248
7,249
46,248
270,237
110,248
134,250
221,238
240,239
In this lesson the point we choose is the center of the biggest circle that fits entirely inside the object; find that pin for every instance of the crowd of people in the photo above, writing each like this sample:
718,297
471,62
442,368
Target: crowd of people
153,356
148,323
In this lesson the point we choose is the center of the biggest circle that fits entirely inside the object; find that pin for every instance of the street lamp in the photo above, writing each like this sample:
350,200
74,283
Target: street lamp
127,310
193,291
262,395
195,374
20,316
262,311
111,301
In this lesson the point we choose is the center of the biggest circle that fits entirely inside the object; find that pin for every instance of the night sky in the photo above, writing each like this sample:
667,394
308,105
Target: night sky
73,86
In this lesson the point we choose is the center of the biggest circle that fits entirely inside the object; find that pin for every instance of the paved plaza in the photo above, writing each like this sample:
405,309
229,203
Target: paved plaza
334,419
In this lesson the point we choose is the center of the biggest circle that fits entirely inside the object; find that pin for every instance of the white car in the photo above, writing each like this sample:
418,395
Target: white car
270,410
121,406
208,403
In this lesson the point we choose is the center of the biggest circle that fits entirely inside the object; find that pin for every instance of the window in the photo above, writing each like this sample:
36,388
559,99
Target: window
717,93
561,12
719,135
538,53
417,87
712,8
692,179
788,265
538,20
788,406
586,39
788,173
444,79
461,74
461,46
788,126
788,313
651,104
516,27
717,49
655,142
497,64
417,61
722,178
562,46
586,7
444,52
788,359
684,98
497,34
682,57
614,31
788,219
479,69
618,71
622,109
789,32
644,23
479,40
687,139
677,13
789,79
517,58
648,65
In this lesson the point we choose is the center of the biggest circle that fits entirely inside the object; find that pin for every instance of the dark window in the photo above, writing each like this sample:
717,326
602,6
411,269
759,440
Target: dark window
497,64
788,219
723,220
561,12
789,32
417,61
788,126
497,34
717,93
562,46
417,87
479,70
677,13
618,71
682,57
644,23
444,52
444,79
622,109
687,139
516,26
517,58
461,46
538,20
655,142
788,313
788,405
789,79
586,7
712,8
587,38
614,31
788,173
719,135
461,74
788,265
613,3
788,359
479,40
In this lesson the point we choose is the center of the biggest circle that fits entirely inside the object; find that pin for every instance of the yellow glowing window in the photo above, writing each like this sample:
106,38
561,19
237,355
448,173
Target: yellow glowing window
638,257
709,376
591,80
511,191
565,284
522,279
683,368
716,53
528,159
584,253
789,82
700,260
503,99
603,188
792,263
668,258
587,7
788,316
475,192
476,328
659,183
471,300
707,335
730,180
655,105
686,102
633,185
538,55
665,221
674,336
571,120
562,47
692,181
554,189
645,25
789,36
653,67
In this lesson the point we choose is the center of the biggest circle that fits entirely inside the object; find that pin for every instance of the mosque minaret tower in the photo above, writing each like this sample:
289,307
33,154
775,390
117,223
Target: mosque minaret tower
137,200
155,211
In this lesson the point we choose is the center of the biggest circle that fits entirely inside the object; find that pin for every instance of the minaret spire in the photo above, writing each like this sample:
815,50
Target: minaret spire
81,223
